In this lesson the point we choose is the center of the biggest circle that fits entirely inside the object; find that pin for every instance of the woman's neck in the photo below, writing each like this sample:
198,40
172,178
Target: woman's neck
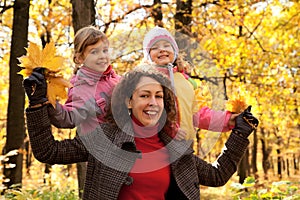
142,131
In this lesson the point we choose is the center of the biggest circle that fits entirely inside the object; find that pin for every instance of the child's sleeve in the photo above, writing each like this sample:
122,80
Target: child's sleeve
60,117
206,118
212,120
75,110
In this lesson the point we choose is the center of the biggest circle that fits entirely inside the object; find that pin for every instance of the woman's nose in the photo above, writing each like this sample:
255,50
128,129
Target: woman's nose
152,101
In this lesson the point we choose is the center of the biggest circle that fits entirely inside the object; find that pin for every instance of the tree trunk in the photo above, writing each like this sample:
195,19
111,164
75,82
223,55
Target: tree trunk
156,13
254,153
183,19
295,164
243,170
265,155
279,160
15,113
287,167
83,13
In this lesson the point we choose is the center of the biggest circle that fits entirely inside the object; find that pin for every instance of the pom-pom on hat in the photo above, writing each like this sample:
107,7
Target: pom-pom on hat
154,35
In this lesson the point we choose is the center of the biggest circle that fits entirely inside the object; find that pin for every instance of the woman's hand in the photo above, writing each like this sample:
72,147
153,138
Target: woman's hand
35,87
245,123
231,122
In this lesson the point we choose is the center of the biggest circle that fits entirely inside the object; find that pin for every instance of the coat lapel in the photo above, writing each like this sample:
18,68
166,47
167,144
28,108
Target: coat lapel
176,148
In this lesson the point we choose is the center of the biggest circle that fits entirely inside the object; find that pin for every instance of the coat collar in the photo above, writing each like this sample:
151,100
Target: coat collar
125,139
125,135
176,148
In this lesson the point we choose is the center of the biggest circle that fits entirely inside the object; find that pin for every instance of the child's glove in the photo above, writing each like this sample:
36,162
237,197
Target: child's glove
35,87
245,123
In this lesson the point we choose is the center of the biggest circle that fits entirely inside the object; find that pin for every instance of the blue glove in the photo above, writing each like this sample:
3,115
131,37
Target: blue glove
245,123
35,87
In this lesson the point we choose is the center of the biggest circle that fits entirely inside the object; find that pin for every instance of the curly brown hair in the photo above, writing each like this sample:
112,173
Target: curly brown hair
118,111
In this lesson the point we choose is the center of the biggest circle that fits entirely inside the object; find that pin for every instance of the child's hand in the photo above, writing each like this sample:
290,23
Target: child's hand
231,122
180,134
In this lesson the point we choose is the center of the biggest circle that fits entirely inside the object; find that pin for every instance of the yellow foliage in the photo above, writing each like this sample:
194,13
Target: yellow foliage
203,96
46,58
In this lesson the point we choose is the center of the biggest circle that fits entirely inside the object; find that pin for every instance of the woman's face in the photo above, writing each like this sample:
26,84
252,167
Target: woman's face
147,101
96,56
162,53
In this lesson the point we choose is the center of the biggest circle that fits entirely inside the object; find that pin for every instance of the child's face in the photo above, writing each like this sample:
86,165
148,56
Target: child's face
147,102
96,56
162,53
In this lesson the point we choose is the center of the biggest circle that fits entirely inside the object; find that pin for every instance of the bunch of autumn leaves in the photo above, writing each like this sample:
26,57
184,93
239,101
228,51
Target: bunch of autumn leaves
57,85
46,58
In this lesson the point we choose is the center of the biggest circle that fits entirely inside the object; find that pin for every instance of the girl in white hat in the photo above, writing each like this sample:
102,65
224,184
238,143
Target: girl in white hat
160,48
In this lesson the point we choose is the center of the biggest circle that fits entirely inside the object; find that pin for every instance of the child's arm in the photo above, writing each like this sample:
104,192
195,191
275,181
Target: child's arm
60,117
79,106
218,121
206,118
72,114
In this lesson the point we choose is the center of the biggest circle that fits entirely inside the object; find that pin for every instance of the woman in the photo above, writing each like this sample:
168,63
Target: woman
134,155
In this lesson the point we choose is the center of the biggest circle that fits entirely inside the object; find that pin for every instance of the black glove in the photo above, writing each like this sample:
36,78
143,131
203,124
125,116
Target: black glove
245,123
36,87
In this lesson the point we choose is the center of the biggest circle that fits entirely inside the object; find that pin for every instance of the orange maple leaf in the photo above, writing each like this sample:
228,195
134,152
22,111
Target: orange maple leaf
237,104
46,58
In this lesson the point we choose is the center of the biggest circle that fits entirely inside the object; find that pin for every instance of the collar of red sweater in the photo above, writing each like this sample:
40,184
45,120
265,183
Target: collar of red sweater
142,131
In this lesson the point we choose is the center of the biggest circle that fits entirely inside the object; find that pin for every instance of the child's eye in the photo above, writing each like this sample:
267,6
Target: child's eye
94,52
153,48
105,50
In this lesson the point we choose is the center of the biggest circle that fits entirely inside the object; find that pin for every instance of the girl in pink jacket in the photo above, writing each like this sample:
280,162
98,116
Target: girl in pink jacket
92,84
160,47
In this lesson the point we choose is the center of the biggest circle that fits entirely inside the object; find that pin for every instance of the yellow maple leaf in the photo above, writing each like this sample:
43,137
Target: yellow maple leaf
46,58
34,55
56,89
50,60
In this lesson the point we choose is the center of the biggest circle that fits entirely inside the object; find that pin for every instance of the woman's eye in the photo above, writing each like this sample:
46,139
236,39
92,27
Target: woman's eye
144,96
105,50
159,96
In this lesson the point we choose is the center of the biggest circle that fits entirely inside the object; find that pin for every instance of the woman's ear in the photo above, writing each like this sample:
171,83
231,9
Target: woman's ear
128,103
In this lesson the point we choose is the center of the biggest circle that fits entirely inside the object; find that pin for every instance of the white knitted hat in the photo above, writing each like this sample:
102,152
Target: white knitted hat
154,35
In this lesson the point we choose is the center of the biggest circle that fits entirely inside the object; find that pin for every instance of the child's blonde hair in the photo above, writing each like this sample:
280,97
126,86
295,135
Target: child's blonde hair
85,37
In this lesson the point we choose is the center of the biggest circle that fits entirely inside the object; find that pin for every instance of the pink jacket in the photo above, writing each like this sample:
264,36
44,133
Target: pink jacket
86,105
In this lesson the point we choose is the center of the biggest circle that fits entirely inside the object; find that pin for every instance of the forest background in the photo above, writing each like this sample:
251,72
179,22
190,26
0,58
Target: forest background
240,49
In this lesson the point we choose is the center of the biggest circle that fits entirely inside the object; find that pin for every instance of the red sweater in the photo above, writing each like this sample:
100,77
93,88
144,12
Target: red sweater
151,174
